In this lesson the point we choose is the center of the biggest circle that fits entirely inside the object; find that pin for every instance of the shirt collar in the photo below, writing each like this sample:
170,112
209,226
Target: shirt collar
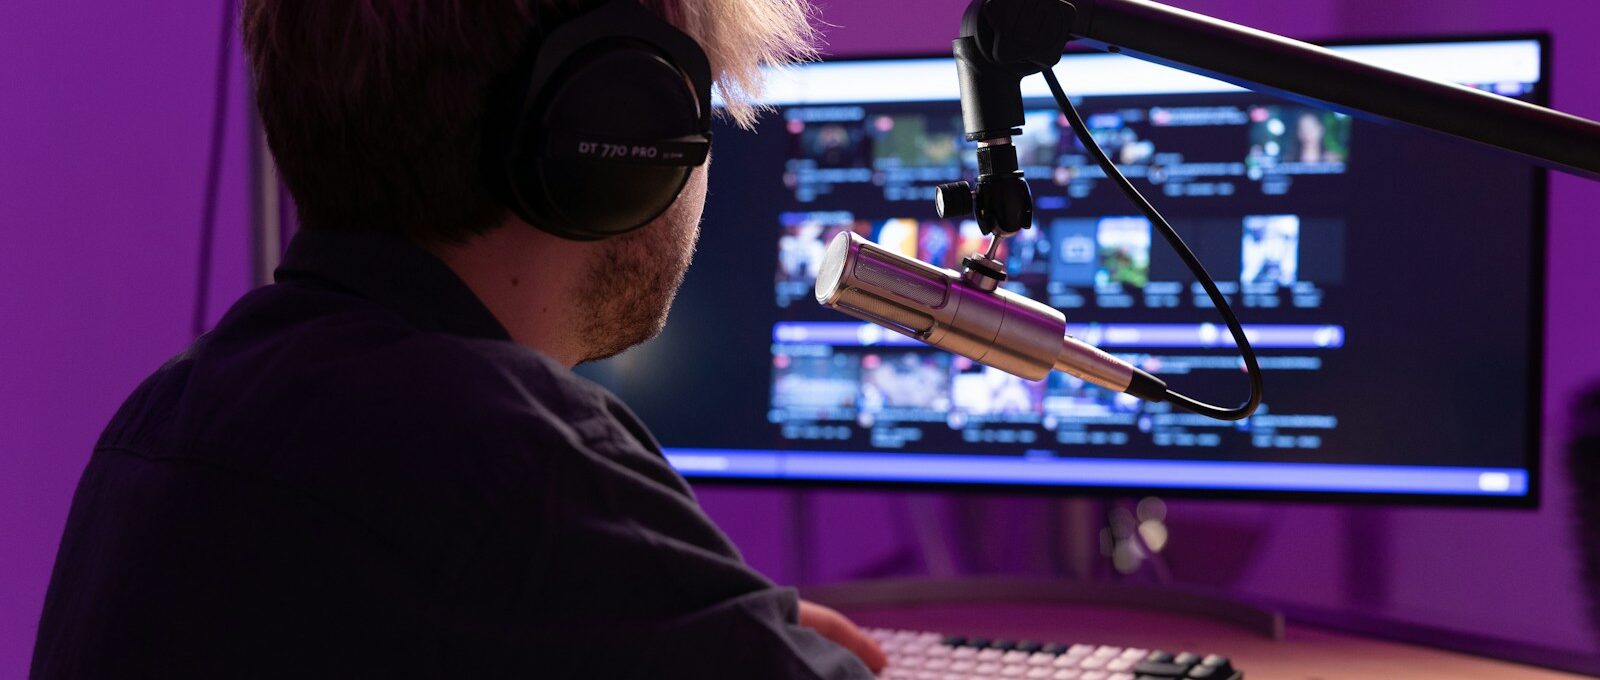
392,272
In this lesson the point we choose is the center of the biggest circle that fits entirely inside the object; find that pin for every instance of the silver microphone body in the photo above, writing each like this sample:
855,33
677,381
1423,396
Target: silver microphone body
997,327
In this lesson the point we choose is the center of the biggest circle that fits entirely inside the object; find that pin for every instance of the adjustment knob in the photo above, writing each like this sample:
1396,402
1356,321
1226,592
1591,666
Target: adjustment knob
954,199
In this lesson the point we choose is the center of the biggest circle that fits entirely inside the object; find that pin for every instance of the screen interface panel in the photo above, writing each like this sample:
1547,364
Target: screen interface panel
1389,279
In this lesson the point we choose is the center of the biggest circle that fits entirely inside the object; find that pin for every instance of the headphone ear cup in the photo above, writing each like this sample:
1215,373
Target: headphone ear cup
618,89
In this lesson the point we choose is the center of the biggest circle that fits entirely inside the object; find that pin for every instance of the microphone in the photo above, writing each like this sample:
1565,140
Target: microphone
969,315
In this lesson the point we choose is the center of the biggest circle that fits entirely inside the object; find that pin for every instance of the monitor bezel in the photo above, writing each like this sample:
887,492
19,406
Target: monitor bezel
1539,215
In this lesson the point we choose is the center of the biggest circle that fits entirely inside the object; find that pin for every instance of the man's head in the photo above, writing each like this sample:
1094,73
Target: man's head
375,109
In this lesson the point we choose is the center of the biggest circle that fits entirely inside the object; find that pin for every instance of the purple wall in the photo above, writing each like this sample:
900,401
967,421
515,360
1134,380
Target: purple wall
104,115
103,119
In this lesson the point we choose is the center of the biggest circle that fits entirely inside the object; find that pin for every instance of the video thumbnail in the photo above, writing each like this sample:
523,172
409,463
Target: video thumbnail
980,390
1068,397
1073,260
938,244
1040,135
1298,134
916,140
831,144
1270,250
907,385
1124,251
801,246
815,384
898,236
1114,132
1028,262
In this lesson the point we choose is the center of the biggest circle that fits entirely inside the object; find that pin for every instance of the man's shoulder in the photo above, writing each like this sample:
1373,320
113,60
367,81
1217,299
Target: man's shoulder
470,380
413,386
350,380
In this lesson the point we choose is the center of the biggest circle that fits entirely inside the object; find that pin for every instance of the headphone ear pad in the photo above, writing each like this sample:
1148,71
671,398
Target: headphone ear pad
625,91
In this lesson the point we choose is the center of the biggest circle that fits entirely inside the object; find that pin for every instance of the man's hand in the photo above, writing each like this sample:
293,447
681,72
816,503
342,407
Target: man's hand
834,626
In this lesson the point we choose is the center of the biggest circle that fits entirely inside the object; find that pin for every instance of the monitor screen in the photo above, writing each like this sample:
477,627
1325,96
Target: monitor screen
1390,279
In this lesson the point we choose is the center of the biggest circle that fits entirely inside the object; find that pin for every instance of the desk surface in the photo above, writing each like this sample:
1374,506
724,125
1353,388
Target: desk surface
1304,653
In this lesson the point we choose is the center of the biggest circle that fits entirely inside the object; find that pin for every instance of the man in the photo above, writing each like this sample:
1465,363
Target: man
382,465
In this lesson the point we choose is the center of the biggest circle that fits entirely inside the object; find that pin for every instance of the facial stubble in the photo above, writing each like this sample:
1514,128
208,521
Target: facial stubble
630,284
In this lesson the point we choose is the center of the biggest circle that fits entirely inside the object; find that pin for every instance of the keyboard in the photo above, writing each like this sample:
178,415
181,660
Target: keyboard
918,655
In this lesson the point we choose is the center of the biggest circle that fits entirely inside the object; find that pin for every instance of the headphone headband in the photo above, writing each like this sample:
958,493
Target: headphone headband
622,19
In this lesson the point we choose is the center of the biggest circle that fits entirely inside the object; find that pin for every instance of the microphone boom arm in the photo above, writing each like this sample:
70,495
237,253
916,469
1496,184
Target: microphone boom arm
1003,41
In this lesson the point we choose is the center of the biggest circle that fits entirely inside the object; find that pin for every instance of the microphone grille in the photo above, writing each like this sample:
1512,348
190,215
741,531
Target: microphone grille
872,270
883,312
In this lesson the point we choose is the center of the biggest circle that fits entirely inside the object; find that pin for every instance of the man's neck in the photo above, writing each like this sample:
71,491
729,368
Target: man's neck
522,275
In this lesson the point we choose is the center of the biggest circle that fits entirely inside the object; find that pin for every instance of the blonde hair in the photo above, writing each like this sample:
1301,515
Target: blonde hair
741,36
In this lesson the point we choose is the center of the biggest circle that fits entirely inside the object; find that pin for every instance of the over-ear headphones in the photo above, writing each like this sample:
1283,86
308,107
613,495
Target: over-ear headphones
596,130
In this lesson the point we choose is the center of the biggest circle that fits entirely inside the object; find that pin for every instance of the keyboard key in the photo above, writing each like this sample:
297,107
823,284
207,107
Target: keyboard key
1038,672
1067,674
955,640
1136,653
1120,676
1029,646
990,654
1212,668
1107,651
1186,659
1159,656
1119,664
1041,659
1068,661
1053,648
1094,675
1013,671
1162,669
1004,645
1080,650
1015,656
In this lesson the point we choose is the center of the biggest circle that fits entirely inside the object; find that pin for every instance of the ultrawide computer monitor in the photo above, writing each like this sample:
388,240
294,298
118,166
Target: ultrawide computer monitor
1390,279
